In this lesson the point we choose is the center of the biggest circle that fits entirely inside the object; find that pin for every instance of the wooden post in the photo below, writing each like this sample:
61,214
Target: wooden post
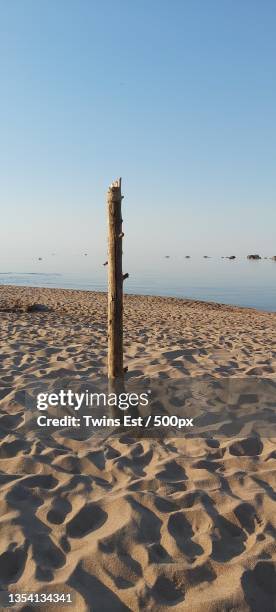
115,285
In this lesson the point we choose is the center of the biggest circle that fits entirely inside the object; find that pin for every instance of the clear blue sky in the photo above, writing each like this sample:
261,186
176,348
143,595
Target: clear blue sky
177,97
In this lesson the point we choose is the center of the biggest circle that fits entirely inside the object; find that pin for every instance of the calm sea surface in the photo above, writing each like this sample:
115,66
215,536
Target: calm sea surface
239,282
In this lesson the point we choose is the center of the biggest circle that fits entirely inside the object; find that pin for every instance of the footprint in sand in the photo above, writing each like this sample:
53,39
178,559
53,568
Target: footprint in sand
47,556
247,447
165,505
12,564
43,481
259,586
247,517
200,574
148,525
10,422
11,449
158,554
172,472
60,508
88,519
182,532
228,541
165,592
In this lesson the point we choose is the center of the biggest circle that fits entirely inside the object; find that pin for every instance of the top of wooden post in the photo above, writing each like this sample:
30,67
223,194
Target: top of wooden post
116,185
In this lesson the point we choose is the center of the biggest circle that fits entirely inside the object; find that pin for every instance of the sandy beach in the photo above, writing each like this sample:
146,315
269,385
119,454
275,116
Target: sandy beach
127,524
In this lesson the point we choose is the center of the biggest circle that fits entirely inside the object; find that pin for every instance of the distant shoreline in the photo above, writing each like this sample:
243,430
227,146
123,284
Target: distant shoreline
41,292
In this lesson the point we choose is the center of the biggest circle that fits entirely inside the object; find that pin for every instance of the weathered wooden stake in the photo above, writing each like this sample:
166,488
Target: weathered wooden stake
115,285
